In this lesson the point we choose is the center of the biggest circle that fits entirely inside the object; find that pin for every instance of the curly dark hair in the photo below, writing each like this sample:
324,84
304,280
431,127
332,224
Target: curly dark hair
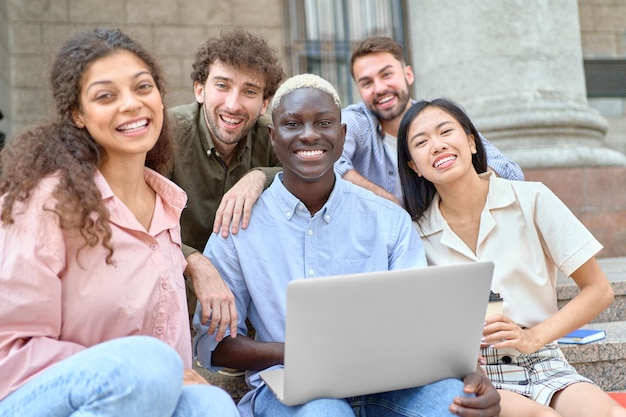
240,49
59,147
418,192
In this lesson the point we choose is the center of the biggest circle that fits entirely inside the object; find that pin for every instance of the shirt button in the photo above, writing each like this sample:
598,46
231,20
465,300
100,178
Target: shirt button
153,246
301,206
507,359
288,213
311,272
164,285
159,330
310,232
327,217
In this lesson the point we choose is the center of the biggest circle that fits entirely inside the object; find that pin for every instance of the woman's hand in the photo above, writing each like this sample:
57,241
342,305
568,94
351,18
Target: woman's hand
502,332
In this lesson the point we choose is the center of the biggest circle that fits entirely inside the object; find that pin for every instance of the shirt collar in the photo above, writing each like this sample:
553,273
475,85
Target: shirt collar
500,195
169,192
290,204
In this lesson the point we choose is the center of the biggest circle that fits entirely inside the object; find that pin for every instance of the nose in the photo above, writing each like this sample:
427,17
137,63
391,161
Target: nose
379,86
130,102
231,102
439,145
309,133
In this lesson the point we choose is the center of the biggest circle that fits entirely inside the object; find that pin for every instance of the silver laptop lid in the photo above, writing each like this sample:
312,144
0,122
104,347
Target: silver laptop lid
375,332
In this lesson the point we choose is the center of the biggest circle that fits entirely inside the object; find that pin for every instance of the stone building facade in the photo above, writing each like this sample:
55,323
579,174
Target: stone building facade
523,31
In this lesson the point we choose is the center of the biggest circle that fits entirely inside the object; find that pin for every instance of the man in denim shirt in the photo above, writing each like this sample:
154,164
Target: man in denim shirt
369,157
310,223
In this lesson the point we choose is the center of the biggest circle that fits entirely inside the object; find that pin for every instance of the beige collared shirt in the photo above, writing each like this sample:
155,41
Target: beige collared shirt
528,233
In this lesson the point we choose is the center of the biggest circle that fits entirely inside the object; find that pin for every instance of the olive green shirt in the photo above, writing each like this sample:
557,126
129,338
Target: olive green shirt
201,172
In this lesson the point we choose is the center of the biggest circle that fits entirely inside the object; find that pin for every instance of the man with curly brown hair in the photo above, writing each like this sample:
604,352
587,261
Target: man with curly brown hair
223,154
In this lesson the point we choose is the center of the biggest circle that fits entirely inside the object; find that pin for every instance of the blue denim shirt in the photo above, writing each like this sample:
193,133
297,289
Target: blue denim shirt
364,151
356,231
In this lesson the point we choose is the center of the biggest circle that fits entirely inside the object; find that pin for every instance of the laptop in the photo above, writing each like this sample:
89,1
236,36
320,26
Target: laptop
380,331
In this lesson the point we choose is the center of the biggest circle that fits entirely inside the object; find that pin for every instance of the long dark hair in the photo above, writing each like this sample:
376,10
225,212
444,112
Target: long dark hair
418,192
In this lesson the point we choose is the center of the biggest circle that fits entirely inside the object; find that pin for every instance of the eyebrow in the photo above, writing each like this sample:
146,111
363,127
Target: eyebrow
445,122
291,113
383,69
247,83
104,82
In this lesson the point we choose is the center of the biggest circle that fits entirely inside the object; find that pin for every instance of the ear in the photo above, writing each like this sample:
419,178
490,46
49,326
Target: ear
78,119
408,73
198,91
264,106
270,128
412,165
472,143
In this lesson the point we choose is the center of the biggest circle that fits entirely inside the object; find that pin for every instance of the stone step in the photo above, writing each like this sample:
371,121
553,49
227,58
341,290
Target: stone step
603,361
615,270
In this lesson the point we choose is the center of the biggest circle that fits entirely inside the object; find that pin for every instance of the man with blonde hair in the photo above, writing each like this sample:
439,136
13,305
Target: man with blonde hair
307,225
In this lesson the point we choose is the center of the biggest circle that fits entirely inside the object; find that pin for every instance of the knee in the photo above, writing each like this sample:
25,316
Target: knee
547,412
151,358
450,386
206,400
146,364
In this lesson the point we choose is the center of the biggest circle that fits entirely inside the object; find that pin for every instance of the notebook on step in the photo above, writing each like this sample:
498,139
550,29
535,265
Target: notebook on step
380,331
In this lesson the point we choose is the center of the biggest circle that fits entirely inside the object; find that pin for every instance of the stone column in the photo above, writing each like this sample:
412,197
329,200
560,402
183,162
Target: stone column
516,66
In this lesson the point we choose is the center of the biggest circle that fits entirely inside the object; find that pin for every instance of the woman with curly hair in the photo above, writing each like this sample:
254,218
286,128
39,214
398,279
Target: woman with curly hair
92,297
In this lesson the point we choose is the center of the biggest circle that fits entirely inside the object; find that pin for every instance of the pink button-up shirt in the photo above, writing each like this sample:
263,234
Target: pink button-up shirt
58,297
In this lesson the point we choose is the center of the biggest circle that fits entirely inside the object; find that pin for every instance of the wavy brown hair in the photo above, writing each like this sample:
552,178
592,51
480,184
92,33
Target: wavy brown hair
376,44
243,50
61,148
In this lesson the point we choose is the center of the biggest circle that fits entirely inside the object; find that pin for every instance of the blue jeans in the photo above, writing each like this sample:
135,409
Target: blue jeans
130,376
428,401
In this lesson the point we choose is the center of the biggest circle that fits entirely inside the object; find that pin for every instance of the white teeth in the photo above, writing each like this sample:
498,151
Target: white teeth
310,153
134,125
230,120
444,160
384,100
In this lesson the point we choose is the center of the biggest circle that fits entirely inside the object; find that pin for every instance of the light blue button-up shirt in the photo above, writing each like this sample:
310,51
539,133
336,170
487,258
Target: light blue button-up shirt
365,151
355,231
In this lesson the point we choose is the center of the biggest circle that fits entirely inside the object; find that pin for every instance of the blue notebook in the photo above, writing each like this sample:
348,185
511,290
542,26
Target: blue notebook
582,336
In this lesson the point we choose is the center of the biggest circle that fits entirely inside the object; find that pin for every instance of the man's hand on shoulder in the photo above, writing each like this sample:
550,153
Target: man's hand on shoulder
236,204
486,402
216,299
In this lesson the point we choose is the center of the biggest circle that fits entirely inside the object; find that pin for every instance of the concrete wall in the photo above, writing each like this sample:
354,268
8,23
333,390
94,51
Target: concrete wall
603,32
5,84
31,30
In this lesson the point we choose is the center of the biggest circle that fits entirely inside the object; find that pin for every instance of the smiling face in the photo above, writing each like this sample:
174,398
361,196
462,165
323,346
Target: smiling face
383,84
120,105
233,102
307,136
439,147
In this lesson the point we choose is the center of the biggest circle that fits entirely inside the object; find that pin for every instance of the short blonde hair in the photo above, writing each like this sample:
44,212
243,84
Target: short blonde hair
304,81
